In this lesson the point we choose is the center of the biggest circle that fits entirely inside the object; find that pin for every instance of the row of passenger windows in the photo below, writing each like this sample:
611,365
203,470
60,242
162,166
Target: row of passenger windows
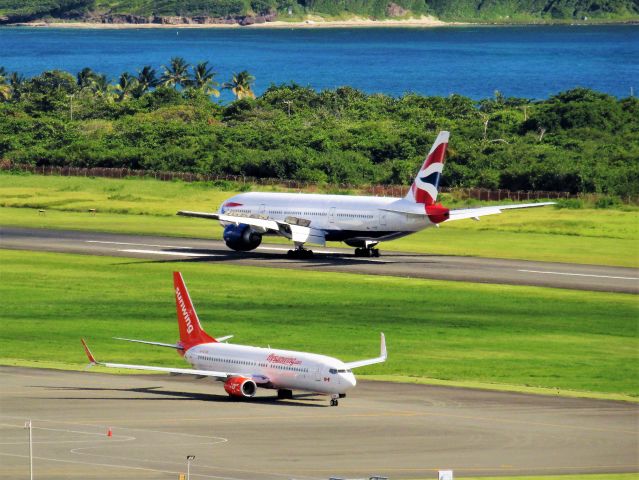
353,215
306,214
255,364
309,214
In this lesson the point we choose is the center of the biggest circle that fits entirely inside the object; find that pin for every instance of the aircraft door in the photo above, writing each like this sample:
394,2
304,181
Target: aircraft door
331,215
262,209
382,218
317,375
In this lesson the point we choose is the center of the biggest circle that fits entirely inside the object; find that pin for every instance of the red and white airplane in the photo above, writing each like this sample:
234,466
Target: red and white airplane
243,368
359,221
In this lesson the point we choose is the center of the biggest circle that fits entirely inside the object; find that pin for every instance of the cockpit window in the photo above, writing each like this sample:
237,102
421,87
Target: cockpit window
333,371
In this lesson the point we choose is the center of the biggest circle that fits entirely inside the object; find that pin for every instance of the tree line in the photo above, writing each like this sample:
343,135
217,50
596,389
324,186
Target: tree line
169,119
507,11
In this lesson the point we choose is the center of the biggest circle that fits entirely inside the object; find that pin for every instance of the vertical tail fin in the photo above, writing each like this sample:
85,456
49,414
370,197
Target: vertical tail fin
426,185
191,332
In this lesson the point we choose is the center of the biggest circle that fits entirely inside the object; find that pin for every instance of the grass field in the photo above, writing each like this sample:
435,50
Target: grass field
486,334
595,236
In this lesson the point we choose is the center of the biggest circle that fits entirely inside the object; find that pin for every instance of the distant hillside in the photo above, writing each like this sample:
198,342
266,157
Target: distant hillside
247,11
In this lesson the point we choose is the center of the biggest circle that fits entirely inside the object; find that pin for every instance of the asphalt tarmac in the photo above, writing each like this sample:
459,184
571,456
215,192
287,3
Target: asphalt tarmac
467,269
393,430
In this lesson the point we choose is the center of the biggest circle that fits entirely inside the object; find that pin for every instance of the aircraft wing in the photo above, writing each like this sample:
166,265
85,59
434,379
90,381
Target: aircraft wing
290,230
383,355
175,371
475,213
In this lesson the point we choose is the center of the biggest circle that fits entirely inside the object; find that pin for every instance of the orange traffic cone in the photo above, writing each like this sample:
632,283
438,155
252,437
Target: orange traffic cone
109,432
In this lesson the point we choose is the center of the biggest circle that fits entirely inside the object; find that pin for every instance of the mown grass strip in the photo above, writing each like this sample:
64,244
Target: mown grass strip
493,334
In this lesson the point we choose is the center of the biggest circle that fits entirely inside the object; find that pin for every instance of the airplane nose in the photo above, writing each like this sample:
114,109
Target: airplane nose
351,380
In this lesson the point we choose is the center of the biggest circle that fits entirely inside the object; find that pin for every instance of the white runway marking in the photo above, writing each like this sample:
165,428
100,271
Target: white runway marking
578,274
135,244
102,441
170,252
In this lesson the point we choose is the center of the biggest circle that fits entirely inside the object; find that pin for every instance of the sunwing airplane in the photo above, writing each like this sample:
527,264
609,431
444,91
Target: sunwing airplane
243,368
359,221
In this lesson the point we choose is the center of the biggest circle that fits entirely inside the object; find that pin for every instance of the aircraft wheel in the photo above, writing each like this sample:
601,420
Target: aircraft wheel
375,252
284,394
334,402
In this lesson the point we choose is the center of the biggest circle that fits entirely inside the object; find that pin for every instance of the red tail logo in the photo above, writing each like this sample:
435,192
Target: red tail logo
191,332
426,185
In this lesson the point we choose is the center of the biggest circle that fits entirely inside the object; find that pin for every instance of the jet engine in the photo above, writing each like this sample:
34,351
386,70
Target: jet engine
241,237
240,387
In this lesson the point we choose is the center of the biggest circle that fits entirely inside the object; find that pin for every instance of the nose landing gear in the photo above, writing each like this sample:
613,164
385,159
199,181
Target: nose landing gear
334,400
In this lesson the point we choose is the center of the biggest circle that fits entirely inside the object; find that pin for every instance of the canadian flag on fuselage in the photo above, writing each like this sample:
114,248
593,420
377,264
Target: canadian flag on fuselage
426,185
191,332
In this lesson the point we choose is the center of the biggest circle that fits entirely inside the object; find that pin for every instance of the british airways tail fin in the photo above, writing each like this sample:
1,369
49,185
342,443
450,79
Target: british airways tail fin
191,332
426,185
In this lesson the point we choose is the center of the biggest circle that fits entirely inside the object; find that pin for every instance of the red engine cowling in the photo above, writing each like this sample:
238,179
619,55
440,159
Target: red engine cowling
240,387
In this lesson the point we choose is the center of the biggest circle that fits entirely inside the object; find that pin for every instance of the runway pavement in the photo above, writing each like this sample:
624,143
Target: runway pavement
469,269
394,430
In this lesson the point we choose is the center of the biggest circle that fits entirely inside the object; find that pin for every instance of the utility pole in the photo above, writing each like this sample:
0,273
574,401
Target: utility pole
28,425
189,459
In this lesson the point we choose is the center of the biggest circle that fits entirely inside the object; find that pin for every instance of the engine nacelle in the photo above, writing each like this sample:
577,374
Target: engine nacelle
240,387
241,237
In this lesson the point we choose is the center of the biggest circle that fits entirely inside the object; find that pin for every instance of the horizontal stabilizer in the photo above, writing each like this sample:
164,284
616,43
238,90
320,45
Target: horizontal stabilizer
463,213
157,344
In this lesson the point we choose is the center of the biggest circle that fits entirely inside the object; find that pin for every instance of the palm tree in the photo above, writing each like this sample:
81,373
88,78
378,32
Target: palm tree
16,81
240,85
126,85
101,85
85,78
176,73
5,88
147,78
203,79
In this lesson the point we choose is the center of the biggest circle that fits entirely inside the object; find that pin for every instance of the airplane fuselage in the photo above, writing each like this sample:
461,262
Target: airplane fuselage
272,368
343,218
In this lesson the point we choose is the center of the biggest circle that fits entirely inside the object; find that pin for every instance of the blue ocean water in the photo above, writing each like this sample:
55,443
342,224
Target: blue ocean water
529,61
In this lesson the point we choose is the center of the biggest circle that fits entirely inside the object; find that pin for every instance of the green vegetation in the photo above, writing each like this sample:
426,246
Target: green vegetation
517,336
580,235
503,11
577,141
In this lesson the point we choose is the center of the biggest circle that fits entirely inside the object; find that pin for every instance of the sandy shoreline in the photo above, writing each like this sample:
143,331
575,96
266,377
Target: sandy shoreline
423,21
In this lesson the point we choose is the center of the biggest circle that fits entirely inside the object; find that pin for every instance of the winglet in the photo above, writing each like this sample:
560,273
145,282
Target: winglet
88,352
383,354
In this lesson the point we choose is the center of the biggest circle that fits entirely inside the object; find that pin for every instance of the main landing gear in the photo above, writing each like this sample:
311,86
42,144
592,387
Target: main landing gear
299,253
284,394
366,252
